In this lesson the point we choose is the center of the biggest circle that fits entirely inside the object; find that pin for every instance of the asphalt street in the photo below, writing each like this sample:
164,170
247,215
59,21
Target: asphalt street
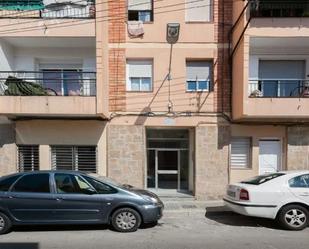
216,230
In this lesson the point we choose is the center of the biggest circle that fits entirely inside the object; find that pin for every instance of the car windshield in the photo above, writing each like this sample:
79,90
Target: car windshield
257,180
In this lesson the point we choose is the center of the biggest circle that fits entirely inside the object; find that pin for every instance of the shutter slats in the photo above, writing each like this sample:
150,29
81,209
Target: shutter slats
139,4
199,10
28,157
139,68
82,158
240,152
200,70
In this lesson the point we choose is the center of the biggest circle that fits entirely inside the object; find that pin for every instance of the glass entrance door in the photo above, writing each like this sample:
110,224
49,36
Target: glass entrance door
167,169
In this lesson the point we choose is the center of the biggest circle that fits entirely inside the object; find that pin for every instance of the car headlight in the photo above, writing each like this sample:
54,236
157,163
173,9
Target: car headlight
150,199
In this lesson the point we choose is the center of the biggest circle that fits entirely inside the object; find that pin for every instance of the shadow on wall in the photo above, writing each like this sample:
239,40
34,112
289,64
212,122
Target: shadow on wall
19,246
224,136
7,135
298,135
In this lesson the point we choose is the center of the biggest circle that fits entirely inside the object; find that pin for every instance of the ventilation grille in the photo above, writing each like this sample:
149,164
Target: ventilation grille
28,158
82,158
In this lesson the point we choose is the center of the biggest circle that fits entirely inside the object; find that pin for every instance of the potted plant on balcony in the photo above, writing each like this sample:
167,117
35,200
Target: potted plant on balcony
256,94
305,90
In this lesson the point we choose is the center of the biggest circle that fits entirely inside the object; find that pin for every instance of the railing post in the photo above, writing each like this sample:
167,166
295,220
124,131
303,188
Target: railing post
278,88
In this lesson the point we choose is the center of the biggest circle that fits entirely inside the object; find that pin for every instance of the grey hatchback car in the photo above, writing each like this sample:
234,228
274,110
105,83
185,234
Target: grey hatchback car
72,197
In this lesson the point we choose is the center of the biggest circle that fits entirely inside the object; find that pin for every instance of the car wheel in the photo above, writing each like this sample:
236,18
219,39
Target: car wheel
293,217
126,220
5,223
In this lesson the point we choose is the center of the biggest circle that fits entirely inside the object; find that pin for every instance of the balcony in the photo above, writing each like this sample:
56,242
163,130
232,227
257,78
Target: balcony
47,9
278,88
271,80
43,18
48,83
48,77
279,8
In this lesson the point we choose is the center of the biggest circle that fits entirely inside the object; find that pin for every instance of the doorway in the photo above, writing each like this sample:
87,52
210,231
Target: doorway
168,160
269,156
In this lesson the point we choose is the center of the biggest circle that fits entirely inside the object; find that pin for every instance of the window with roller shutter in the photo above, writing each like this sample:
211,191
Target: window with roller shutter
199,10
240,152
140,10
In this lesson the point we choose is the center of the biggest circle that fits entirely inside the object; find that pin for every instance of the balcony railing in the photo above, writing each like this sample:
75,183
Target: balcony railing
280,8
48,83
279,88
48,9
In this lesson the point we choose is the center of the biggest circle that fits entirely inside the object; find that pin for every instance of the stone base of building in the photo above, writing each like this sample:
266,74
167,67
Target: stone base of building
167,156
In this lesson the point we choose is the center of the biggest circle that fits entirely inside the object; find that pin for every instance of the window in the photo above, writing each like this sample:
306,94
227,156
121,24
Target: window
199,74
72,184
6,182
82,158
100,187
281,78
139,75
240,152
140,10
63,82
28,157
36,183
199,11
299,182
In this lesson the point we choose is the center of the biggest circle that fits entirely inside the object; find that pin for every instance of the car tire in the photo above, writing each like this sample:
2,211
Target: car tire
126,220
293,217
5,224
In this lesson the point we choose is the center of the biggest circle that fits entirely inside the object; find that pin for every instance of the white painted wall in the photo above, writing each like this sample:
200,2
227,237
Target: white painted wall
28,59
6,56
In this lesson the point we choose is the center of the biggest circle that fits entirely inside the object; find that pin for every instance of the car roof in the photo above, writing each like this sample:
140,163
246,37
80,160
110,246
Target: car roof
294,172
47,171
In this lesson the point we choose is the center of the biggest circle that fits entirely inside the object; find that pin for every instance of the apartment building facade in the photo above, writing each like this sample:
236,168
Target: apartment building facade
270,84
95,86
107,102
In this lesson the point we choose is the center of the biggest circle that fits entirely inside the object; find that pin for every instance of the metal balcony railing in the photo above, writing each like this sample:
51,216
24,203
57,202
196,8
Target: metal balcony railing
48,9
48,83
279,88
279,8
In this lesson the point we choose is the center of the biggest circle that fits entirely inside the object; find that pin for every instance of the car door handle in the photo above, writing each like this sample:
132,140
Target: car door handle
58,199
304,194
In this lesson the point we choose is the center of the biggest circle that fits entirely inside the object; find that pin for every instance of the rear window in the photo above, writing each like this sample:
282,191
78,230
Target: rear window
5,183
34,183
257,180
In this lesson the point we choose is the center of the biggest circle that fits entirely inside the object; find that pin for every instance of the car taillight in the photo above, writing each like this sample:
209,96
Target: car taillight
244,195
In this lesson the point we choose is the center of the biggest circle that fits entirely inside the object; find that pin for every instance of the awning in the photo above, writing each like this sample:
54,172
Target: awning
21,4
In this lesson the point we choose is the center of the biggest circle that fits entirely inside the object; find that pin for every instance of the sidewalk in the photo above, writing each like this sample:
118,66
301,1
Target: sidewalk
191,207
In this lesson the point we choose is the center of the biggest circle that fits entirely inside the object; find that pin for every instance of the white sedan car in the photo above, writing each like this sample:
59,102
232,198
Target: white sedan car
282,196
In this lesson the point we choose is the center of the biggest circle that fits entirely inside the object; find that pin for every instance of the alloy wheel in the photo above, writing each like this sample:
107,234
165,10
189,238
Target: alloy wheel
295,218
2,223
